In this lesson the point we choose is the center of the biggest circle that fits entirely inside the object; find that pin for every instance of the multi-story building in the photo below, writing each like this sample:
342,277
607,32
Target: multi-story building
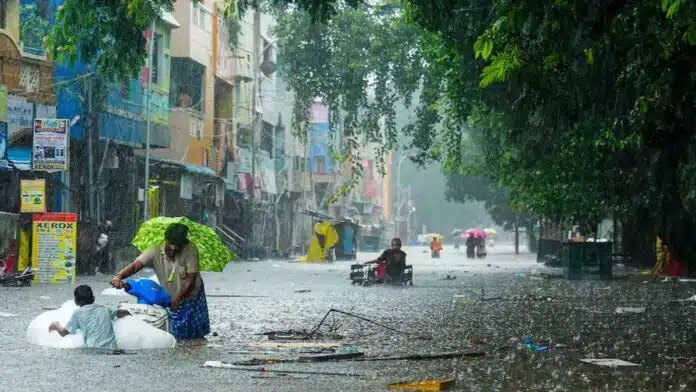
26,93
195,189
258,155
110,125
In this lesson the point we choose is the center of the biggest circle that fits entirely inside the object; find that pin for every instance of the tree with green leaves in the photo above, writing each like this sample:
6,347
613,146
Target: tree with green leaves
586,109
33,28
361,62
579,110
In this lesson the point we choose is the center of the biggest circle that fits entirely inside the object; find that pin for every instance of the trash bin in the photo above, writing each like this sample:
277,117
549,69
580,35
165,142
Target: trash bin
369,243
587,260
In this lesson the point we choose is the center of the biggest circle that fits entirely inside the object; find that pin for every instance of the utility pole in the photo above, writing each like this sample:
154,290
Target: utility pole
399,191
150,50
408,217
517,234
255,116
90,146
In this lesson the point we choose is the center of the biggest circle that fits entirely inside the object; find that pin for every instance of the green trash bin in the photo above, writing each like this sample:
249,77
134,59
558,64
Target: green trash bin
369,243
587,260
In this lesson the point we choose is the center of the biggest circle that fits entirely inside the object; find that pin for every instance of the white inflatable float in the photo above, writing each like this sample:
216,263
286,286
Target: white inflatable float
131,332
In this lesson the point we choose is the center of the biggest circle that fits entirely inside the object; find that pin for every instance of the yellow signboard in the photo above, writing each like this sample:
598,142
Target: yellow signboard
54,247
33,196
3,103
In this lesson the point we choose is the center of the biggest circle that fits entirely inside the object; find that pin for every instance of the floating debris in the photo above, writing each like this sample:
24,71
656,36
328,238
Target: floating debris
629,310
331,357
229,366
293,345
608,362
423,385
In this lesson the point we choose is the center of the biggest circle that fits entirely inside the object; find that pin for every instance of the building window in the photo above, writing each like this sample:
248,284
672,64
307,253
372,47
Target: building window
195,14
125,90
156,53
186,88
320,162
300,164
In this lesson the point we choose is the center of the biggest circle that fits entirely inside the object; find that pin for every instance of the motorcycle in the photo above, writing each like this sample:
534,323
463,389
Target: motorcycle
17,279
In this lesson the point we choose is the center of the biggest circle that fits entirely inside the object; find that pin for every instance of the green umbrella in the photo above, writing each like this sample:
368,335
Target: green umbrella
213,254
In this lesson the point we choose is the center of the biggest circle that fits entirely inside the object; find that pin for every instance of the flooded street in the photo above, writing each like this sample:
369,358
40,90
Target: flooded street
578,316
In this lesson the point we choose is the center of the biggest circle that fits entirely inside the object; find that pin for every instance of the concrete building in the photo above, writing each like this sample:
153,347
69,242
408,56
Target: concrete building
26,92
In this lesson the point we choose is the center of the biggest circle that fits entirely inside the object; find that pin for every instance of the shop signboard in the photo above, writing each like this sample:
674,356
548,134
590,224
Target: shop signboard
51,140
32,196
54,247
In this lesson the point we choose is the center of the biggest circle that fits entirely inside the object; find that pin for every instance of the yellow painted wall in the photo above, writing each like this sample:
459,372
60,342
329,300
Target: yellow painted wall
12,20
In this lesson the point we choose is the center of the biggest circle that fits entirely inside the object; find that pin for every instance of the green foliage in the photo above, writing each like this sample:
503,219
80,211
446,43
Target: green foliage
108,34
234,26
33,29
579,111
213,254
359,62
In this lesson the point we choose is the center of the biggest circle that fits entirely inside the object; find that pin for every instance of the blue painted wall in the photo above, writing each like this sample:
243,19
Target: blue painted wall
121,119
319,146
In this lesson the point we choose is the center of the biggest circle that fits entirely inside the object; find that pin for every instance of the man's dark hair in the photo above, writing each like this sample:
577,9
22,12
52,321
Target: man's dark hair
397,240
176,234
84,295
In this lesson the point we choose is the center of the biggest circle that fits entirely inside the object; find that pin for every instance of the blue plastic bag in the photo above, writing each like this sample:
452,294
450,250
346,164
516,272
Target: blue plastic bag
529,343
148,292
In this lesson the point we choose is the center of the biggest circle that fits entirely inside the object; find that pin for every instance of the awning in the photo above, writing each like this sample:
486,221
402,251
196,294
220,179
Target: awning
19,157
169,19
205,171
195,169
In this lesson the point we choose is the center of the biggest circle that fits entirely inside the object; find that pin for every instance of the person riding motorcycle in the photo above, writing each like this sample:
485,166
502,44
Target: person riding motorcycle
393,261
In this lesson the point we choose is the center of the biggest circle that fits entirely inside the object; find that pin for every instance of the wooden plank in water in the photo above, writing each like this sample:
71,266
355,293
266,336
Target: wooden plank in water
330,357
293,345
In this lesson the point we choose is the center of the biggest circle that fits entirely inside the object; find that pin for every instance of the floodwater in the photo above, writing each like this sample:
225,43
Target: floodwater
580,316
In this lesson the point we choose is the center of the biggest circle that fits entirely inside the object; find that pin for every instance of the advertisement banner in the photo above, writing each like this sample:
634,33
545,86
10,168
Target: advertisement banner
33,196
19,113
54,244
50,145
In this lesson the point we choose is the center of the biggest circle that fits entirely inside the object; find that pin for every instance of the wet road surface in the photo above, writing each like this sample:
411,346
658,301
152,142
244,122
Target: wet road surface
579,315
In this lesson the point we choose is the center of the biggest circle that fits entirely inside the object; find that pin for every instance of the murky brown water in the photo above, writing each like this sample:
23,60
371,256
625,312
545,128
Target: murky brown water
581,317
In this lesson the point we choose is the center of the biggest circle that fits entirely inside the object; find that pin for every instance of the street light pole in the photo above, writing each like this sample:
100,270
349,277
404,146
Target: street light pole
150,49
408,217
399,191
257,118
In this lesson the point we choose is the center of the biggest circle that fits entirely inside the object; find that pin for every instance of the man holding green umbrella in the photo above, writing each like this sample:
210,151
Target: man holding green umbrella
176,264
